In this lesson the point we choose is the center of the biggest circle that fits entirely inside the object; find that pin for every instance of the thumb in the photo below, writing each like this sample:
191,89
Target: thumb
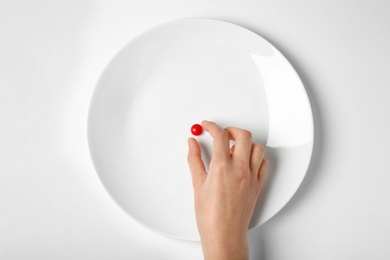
195,163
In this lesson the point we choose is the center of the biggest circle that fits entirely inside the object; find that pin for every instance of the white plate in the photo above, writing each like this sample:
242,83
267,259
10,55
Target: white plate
176,75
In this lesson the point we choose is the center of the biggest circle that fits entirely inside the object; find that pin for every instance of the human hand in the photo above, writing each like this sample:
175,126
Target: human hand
226,195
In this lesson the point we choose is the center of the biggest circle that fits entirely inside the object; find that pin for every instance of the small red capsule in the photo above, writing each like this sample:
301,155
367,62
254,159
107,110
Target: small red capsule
196,129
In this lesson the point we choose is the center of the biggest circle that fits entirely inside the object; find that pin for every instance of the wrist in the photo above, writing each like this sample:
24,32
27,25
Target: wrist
226,248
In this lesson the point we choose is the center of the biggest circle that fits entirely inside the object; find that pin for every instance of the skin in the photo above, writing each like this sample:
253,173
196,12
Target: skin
226,195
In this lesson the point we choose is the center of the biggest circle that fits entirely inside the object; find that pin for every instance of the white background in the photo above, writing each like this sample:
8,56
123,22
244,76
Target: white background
52,204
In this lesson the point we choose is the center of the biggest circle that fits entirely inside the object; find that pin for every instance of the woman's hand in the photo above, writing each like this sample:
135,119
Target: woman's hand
226,195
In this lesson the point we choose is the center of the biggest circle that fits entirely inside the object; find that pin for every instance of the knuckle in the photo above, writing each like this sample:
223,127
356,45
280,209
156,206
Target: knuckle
259,147
243,176
222,167
223,133
245,134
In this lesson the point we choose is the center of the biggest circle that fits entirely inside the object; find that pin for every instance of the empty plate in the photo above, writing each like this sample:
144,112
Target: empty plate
173,76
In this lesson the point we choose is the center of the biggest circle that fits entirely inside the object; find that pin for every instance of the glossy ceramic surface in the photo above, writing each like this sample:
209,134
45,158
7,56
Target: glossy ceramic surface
176,75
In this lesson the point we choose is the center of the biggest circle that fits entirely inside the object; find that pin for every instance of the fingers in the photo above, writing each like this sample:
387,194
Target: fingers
263,170
195,163
256,157
221,147
243,148
243,142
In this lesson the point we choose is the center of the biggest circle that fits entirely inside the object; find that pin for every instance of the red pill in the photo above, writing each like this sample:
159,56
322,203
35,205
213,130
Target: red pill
196,129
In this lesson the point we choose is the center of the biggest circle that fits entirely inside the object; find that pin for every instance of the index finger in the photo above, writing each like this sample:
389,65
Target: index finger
221,147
